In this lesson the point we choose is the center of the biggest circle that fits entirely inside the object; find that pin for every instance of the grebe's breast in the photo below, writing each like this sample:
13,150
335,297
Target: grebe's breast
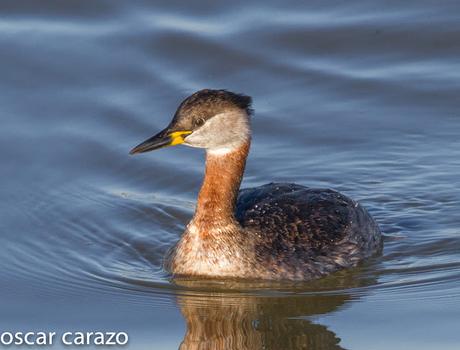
302,233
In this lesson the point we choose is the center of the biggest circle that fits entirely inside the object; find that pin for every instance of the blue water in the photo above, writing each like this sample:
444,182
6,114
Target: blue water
361,97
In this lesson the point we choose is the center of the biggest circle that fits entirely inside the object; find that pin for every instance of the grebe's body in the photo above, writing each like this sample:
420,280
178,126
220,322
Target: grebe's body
275,231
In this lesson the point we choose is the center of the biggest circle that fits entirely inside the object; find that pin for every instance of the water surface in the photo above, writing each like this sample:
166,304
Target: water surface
360,96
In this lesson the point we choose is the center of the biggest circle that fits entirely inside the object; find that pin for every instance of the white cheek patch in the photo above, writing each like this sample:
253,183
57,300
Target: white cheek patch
221,133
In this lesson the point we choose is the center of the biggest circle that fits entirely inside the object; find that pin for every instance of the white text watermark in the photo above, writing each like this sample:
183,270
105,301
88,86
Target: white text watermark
65,338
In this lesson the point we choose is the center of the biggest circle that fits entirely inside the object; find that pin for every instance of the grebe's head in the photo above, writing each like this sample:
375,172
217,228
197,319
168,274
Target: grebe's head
217,120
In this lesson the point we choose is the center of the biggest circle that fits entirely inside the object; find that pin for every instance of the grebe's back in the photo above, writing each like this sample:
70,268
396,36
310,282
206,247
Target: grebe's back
304,233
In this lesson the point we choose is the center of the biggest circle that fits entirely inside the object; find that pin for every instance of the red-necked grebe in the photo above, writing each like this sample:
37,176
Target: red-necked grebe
275,231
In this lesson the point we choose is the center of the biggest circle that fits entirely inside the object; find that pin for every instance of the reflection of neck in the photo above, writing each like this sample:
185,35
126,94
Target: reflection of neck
219,192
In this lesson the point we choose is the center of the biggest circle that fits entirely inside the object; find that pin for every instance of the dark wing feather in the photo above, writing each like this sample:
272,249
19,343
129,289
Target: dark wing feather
295,216
310,230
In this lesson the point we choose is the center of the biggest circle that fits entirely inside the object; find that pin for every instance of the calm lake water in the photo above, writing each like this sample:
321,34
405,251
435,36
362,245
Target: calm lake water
362,97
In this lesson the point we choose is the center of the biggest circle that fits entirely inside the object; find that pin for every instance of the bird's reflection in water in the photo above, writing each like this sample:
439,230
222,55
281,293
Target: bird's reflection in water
266,320
252,322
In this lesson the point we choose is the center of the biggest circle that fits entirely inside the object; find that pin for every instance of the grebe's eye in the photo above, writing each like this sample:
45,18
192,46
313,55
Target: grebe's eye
199,122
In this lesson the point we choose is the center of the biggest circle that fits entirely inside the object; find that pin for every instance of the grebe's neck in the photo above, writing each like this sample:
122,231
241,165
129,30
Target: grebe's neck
217,198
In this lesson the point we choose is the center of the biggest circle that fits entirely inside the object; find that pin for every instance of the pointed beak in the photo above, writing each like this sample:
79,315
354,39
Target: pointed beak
164,138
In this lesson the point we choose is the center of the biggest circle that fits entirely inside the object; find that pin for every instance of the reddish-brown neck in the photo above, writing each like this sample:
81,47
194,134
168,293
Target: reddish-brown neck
219,192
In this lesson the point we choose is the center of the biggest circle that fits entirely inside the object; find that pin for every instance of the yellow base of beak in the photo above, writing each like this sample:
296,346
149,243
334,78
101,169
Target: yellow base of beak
177,137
